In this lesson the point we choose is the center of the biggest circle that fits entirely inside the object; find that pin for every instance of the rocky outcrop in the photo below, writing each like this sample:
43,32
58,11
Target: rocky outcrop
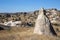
43,24
4,27
30,17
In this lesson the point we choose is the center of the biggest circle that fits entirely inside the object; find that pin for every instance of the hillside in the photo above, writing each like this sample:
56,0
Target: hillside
25,30
27,17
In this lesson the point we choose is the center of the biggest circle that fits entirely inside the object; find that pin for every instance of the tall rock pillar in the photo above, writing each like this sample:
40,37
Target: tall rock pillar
43,24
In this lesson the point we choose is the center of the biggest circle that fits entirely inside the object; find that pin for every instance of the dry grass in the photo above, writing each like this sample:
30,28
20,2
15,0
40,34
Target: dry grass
25,33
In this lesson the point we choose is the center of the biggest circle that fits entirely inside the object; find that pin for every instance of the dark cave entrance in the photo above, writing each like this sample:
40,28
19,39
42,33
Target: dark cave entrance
1,28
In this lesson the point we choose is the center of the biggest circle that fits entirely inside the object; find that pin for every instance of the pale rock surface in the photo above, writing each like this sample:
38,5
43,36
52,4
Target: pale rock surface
11,23
43,25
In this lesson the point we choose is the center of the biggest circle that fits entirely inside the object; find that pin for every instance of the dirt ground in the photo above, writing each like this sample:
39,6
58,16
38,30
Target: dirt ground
26,33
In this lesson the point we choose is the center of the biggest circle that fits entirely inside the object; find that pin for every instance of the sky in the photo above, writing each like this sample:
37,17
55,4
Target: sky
27,5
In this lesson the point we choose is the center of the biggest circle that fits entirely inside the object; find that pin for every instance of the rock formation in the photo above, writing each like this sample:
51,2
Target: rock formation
4,27
43,25
11,23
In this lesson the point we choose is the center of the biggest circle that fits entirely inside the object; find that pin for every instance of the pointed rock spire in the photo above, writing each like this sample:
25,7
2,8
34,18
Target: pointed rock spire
43,25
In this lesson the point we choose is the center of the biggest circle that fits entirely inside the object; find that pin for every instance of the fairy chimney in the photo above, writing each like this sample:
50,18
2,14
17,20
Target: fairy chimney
43,24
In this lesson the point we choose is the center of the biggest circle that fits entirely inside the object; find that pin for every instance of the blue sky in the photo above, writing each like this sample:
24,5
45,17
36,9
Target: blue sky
27,5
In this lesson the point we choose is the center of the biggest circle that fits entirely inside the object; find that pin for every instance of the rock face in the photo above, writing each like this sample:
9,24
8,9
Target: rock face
11,23
4,27
43,25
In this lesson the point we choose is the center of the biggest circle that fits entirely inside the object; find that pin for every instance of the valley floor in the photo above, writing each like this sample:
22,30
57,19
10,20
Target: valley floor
25,33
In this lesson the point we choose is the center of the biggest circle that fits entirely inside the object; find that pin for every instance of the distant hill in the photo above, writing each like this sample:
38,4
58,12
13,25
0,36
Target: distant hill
30,17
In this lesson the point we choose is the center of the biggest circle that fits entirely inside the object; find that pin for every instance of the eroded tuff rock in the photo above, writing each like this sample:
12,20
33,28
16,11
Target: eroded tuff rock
43,24
30,17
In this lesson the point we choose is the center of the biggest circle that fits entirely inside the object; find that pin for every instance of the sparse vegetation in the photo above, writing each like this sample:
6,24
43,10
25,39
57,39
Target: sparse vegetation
25,31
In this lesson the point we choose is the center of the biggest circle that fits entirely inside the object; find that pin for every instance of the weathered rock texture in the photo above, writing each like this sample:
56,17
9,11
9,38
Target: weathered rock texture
28,18
43,25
